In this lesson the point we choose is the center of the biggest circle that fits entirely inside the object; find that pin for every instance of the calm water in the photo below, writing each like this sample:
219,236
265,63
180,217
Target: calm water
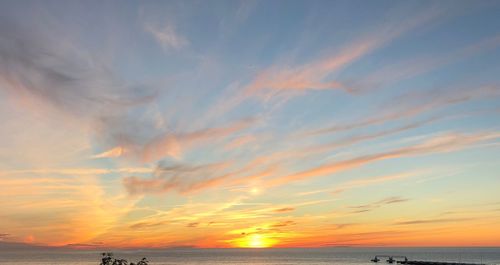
254,256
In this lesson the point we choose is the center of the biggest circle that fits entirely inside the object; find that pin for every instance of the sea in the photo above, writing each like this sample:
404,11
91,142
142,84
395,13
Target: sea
292,256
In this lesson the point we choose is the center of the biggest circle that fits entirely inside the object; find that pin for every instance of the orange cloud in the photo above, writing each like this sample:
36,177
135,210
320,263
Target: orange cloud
114,152
412,104
443,143
240,141
284,210
174,144
314,75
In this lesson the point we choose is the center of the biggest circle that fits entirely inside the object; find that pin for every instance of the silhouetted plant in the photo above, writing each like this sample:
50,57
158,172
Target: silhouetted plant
108,259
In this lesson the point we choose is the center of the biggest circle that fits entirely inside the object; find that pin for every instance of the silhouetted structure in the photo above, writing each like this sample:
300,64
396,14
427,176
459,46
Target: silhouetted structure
108,259
404,260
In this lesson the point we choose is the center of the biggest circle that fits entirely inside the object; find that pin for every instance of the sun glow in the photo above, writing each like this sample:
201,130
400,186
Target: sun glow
256,241
255,191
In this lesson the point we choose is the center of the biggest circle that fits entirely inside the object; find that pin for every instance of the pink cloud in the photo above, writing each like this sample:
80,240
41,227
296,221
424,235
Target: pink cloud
443,143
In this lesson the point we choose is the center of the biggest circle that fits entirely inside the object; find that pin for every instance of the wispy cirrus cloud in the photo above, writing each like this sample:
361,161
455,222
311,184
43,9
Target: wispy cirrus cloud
359,183
432,221
414,103
308,76
371,181
147,225
314,75
285,210
415,66
43,73
182,178
61,79
39,71
371,206
283,224
298,152
293,79
438,144
171,144
366,137
167,36
75,171
186,179
216,176
240,141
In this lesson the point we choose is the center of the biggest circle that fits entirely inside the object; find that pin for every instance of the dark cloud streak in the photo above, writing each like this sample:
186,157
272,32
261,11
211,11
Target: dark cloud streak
432,221
43,68
372,206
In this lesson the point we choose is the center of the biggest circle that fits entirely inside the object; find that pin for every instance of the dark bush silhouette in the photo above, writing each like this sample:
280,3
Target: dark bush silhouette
108,259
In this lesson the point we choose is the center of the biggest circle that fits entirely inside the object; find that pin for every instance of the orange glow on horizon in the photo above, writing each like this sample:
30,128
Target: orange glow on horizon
254,241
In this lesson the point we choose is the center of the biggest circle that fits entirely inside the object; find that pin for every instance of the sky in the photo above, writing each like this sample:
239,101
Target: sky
152,124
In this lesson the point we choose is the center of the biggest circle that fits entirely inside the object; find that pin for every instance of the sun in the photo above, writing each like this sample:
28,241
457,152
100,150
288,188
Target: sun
256,241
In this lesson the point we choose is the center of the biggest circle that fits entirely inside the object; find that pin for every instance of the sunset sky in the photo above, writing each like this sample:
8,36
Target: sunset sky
250,123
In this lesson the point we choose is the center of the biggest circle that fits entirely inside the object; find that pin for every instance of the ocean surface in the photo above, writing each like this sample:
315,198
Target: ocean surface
311,256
